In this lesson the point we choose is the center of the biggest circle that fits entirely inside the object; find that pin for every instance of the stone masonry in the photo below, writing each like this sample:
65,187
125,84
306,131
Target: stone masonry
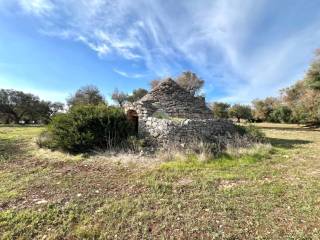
164,131
169,114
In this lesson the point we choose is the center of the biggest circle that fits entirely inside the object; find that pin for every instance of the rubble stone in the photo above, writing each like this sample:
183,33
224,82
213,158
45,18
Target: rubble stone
169,114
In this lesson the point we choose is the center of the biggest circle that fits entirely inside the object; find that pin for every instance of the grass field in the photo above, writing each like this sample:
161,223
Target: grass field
271,194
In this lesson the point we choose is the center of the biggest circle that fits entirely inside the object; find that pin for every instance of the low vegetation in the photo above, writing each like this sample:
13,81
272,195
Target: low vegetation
86,128
268,191
246,138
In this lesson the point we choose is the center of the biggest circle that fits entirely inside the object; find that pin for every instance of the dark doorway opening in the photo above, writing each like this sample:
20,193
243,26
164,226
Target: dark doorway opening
133,117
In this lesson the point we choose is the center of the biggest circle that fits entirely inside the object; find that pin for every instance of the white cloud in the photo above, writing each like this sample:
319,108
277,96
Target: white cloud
101,49
37,7
128,75
218,37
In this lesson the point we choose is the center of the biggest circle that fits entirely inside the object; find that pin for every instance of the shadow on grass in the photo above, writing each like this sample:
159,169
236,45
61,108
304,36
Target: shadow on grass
302,128
286,143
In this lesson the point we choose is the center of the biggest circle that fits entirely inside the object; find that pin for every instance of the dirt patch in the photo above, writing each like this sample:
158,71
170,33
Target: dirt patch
184,182
228,184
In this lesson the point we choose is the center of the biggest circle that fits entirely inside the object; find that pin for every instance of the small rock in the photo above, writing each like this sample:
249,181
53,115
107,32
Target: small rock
41,201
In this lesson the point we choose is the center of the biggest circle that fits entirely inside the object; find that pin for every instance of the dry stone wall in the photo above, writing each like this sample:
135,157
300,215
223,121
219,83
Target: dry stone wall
166,131
170,114
171,99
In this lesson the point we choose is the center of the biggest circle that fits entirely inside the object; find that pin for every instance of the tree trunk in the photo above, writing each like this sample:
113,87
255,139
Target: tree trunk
15,118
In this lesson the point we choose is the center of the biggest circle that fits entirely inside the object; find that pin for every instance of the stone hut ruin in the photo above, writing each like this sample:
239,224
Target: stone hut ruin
170,114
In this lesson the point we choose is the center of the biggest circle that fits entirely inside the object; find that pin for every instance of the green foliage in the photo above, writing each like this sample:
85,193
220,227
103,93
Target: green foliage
190,81
87,127
299,103
281,114
88,95
303,101
137,94
263,108
45,139
313,75
16,106
240,112
303,98
220,109
252,132
119,97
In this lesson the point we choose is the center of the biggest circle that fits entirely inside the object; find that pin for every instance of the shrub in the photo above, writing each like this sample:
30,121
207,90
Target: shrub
251,134
281,114
86,127
45,139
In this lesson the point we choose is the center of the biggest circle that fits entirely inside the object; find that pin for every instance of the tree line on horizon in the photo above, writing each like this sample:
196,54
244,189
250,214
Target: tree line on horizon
299,103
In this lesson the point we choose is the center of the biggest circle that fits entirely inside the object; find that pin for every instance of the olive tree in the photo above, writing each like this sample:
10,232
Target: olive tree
137,94
240,112
119,97
190,81
220,109
17,105
87,95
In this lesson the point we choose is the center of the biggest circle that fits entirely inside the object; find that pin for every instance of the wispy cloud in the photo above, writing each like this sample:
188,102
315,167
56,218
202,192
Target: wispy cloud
246,49
101,49
37,7
128,75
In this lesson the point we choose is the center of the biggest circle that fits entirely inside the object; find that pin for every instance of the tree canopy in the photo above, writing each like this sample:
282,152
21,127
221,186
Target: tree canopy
119,97
17,105
312,77
240,112
137,94
191,82
220,109
87,95
303,101
263,108
303,98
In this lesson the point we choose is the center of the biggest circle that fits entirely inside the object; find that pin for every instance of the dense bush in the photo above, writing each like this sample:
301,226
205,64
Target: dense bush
251,133
281,114
87,127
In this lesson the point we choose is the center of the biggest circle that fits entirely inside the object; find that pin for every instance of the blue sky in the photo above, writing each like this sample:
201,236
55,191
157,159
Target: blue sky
243,49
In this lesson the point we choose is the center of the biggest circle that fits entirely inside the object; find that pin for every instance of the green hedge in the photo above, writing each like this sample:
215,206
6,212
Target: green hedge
84,128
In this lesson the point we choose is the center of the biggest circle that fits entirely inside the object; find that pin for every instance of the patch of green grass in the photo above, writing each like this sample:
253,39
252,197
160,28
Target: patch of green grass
223,162
260,193
51,221
14,183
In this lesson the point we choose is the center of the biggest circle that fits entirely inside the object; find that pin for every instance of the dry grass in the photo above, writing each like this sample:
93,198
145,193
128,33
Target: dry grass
259,193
